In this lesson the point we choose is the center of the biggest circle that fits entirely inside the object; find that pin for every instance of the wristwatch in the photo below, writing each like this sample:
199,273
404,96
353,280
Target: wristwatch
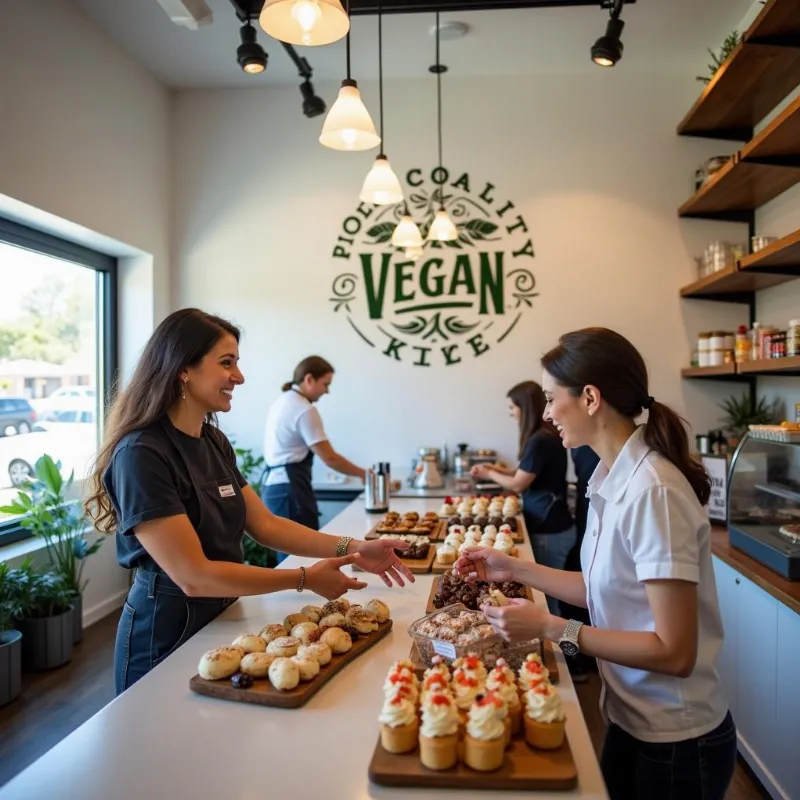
569,639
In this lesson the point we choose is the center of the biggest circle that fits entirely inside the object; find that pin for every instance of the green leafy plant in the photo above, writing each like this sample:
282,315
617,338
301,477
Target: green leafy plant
728,46
42,594
740,413
251,467
46,512
13,593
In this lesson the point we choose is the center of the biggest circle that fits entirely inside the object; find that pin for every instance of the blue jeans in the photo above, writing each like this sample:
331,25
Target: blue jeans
695,769
551,550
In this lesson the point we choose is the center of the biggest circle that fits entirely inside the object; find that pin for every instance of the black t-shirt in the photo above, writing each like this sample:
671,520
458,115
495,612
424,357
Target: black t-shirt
544,502
148,479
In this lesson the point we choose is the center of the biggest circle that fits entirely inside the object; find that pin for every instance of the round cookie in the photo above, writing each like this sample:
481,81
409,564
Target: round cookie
285,646
219,663
319,651
250,643
256,664
307,667
284,674
272,631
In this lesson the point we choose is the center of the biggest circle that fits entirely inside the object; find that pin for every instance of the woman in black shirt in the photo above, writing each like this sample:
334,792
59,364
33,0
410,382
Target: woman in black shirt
541,479
166,483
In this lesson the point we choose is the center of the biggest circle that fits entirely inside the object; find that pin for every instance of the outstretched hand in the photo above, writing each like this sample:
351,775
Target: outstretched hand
379,557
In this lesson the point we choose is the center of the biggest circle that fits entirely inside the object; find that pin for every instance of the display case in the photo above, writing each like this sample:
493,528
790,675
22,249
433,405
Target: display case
764,503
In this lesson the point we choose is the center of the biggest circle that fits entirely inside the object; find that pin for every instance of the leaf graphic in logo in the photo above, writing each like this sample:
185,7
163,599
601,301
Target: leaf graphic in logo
417,325
452,243
455,325
381,232
419,199
463,237
480,228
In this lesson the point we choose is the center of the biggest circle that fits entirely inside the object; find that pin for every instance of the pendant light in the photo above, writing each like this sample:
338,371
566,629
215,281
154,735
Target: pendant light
442,228
348,125
407,234
381,187
306,22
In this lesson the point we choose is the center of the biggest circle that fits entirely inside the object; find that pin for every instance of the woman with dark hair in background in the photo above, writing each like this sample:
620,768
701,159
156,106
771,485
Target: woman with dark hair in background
647,578
294,435
166,482
541,479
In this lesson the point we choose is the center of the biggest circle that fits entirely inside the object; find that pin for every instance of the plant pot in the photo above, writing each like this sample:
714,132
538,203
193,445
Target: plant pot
77,619
46,642
10,666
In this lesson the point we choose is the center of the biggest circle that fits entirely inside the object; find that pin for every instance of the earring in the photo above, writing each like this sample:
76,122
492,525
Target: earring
183,391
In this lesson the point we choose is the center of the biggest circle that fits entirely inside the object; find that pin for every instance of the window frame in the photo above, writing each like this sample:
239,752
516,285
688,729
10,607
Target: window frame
19,235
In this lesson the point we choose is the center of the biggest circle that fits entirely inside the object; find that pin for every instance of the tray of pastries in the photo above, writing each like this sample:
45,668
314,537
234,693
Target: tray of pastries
481,514
410,523
288,662
465,727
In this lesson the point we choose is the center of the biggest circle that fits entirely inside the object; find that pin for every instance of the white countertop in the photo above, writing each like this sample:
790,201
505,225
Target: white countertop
162,742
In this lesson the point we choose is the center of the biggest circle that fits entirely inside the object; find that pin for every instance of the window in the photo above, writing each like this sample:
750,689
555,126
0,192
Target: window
58,357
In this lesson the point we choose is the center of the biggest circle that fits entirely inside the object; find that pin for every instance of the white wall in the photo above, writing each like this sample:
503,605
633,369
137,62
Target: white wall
592,162
86,136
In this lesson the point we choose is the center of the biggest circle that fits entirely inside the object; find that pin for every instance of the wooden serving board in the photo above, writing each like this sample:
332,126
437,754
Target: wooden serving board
438,531
524,769
430,608
417,566
265,694
548,656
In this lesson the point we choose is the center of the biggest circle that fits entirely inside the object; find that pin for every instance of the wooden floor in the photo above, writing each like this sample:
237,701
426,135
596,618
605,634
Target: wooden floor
55,703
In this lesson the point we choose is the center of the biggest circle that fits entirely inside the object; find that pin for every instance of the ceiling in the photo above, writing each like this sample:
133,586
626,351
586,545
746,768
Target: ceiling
659,35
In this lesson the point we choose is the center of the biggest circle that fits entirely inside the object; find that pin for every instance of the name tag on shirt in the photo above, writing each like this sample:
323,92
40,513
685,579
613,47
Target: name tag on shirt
227,490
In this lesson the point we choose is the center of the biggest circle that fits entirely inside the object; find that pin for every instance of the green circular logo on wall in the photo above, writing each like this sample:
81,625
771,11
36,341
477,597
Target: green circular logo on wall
461,298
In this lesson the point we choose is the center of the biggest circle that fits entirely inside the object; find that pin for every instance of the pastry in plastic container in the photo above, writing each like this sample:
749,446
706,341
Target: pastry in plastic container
455,632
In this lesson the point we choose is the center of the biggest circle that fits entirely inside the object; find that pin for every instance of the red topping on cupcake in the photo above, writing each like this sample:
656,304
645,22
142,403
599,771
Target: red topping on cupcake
472,662
490,699
500,677
534,666
436,679
448,501
440,700
465,680
397,699
399,677
542,688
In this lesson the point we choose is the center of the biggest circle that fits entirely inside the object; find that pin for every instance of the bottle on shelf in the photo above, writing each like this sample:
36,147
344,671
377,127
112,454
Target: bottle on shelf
742,345
755,341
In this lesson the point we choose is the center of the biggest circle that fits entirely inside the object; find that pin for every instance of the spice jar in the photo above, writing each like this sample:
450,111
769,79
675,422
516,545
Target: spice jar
778,345
793,338
703,349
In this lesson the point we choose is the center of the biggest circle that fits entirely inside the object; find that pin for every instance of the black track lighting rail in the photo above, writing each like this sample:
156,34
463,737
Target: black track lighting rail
362,7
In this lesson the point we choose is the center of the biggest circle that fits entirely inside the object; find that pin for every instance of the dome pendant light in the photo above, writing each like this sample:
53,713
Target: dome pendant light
348,125
381,187
442,228
305,22
407,234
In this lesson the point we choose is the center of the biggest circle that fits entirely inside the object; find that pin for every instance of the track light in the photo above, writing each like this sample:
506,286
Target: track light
607,50
313,105
250,54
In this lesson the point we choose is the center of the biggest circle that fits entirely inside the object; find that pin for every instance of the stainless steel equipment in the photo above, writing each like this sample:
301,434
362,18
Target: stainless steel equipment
436,453
461,462
377,488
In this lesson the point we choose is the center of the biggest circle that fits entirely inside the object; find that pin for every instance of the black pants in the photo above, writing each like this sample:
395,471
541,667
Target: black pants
695,769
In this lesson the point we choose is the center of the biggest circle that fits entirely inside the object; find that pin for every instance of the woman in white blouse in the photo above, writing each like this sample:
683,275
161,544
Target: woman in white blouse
646,578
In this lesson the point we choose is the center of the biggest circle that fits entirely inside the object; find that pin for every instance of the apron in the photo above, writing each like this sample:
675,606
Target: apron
158,617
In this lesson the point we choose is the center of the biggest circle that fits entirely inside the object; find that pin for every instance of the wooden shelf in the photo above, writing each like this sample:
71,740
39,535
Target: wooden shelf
771,366
779,141
782,256
733,285
721,372
760,72
738,189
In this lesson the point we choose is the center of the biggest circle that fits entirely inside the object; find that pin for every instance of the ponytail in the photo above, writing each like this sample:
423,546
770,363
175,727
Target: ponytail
315,366
665,433
603,358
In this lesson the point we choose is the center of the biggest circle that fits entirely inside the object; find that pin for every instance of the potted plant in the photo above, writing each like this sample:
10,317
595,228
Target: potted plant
251,467
11,608
42,503
46,621
740,413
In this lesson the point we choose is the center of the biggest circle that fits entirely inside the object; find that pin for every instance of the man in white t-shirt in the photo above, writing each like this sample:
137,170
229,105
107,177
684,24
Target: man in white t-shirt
294,435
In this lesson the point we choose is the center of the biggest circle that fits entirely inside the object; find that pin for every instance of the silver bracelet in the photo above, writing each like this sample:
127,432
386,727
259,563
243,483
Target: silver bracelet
302,584
342,545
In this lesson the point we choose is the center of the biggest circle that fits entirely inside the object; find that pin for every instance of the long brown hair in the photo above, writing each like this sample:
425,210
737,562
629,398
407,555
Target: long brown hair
180,341
605,359
315,366
529,398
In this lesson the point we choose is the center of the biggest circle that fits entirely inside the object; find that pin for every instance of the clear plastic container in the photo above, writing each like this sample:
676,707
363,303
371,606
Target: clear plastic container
454,632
